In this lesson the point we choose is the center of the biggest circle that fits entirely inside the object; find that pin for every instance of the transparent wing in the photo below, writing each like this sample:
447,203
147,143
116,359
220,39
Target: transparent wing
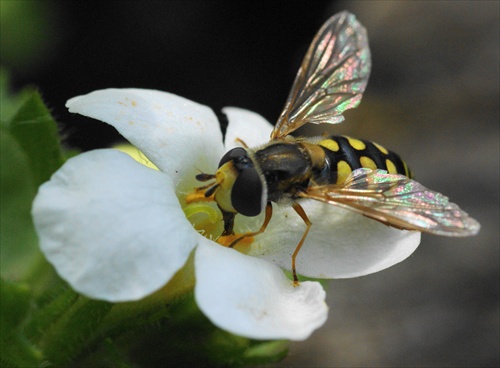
332,77
397,201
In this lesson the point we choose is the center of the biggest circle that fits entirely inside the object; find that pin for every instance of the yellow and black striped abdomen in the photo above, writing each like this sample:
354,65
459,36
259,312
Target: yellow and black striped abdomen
345,154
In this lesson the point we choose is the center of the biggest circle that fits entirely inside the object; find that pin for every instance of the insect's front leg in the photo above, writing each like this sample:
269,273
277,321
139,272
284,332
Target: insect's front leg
230,239
228,218
269,214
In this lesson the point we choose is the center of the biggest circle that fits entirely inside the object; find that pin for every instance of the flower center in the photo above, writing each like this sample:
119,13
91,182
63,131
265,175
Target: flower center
208,222
204,218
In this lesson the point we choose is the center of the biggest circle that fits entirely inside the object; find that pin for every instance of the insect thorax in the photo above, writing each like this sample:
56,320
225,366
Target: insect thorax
286,168
290,167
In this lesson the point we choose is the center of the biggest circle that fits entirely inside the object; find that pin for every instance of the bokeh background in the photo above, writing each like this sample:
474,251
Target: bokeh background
433,97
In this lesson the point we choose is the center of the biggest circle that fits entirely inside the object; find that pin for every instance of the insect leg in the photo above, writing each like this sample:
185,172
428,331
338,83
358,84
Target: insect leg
228,218
242,142
205,177
300,211
269,214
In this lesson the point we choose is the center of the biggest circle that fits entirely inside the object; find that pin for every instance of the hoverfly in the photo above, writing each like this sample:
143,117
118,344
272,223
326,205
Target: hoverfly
354,174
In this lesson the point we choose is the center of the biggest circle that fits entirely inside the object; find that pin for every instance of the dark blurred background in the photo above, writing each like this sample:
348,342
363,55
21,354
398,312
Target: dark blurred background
433,97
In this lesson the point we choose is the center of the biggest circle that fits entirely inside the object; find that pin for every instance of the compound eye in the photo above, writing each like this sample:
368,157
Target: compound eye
237,153
246,195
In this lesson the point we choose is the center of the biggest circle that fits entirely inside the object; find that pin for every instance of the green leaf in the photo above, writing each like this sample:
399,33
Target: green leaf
36,132
9,103
227,349
71,334
265,352
15,349
18,241
14,304
28,33
30,153
49,312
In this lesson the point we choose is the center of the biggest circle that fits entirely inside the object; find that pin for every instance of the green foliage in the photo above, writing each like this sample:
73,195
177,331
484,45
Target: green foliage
18,252
234,351
30,153
83,319
24,119
15,349
36,132
27,30
10,103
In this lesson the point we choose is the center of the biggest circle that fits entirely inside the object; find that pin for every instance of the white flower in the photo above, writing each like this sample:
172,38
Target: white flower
117,230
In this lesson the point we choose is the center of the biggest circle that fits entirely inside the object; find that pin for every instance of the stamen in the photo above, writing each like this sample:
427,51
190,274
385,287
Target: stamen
203,217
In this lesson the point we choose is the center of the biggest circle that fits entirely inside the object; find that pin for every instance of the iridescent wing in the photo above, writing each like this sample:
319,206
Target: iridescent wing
332,77
397,201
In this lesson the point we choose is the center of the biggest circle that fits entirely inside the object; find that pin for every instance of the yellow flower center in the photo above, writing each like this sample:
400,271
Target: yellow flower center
204,218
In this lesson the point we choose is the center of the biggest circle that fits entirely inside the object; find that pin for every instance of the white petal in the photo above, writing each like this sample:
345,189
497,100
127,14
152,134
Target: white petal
246,125
111,227
340,244
252,298
179,136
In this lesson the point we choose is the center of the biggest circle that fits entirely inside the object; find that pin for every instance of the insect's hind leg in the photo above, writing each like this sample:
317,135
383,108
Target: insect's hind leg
300,211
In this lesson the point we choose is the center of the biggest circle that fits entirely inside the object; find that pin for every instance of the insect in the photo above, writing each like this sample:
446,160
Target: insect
350,173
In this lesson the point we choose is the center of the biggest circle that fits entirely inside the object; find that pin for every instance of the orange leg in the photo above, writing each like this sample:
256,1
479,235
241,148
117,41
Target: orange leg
269,214
240,141
300,211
